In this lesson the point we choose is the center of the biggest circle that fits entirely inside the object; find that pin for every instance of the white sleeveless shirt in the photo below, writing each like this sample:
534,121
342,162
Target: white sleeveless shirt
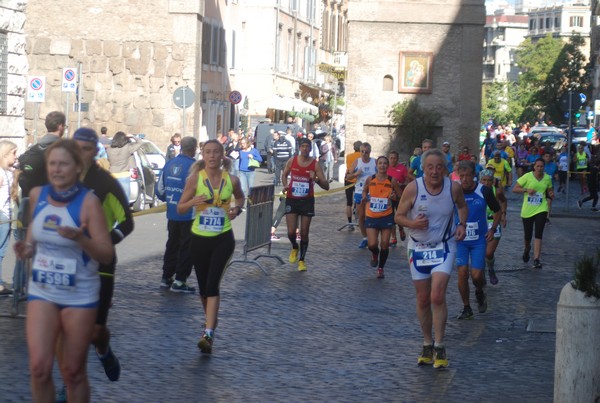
368,169
61,271
439,210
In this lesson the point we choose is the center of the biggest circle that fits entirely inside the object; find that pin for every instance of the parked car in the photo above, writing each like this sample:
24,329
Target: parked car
155,156
536,130
141,182
554,140
579,134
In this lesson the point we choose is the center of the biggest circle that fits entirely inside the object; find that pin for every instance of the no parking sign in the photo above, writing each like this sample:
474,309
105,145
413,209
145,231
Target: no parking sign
36,89
69,81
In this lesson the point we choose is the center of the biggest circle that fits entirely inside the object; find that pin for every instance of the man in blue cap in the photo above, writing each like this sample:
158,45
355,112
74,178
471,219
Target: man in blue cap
120,221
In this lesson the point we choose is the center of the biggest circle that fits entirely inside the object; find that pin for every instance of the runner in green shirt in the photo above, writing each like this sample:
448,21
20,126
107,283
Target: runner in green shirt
537,190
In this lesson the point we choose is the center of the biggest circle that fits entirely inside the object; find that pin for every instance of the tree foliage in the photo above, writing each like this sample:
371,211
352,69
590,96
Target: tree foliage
549,68
413,123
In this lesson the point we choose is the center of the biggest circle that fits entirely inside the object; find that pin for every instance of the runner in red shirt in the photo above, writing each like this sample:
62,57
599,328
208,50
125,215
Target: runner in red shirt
304,172
399,172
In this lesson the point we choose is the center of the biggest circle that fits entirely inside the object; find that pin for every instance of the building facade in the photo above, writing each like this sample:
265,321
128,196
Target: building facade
13,69
241,58
396,51
561,21
503,35
131,58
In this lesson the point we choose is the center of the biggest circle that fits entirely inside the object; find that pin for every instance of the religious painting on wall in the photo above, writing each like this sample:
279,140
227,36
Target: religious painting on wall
415,72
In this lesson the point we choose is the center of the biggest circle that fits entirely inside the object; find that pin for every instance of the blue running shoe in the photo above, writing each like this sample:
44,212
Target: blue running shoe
362,244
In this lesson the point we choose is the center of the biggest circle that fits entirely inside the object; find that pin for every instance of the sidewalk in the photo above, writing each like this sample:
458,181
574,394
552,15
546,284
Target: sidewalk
333,333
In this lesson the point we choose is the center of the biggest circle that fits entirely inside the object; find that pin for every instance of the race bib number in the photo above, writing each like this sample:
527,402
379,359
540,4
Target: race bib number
581,163
535,200
472,233
428,255
378,204
54,271
300,189
498,232
212,219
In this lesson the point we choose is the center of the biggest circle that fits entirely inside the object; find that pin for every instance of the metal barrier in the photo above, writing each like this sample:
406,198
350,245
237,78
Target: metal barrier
20,277
259,215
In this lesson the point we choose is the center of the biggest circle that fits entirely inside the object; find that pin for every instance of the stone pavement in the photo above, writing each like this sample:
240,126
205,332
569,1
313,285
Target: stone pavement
333,333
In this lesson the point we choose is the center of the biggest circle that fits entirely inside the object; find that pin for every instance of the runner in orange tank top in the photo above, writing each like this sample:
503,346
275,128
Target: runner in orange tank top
378,193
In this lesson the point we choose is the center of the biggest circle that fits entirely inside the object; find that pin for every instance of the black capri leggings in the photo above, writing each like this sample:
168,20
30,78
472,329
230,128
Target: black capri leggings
107,285
210,256
539,220
349,194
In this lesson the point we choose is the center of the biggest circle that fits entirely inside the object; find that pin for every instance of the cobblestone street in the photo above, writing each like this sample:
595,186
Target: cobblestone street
333,333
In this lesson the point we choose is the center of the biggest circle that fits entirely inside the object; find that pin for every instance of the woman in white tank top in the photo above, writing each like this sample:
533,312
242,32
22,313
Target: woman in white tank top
67,238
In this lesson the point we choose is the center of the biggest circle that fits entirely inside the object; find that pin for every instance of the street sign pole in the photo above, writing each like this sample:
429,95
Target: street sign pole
183,109
67,117
569,140
36,112
79,95
184,97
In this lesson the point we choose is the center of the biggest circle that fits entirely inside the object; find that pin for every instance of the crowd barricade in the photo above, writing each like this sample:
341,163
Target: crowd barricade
259,216
22,266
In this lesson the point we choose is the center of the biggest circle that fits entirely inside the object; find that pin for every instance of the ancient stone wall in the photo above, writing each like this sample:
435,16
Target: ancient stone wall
133,55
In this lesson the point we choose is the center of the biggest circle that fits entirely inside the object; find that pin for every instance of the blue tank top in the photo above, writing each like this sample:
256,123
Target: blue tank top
476,227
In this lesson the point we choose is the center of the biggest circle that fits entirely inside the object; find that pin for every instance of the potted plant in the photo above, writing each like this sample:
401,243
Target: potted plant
576,369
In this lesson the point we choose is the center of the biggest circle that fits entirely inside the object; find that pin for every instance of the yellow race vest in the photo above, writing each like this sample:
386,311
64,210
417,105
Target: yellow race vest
212,219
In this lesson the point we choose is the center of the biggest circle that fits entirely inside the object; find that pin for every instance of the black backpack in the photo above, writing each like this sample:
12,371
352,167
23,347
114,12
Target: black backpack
32,165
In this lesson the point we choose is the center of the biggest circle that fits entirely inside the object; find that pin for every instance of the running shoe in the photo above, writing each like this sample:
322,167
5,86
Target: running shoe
537,264
374,260
380,273
166,283
579,204
467,313
426,357
481,301
275,237
298,237
351,228
402,235
362,244
5,291
61,395
205,344
301,265
393,242
440,360
111,364
526,254
493,277
594,209
179,286
294,255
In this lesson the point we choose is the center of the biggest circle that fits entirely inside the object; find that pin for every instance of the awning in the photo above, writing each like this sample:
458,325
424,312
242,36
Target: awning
292,104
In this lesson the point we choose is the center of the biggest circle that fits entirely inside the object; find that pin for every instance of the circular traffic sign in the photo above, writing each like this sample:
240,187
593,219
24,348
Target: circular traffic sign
69,75
36,84
235,97
184,97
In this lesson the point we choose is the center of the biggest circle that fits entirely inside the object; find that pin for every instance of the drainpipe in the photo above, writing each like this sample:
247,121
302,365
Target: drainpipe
277,37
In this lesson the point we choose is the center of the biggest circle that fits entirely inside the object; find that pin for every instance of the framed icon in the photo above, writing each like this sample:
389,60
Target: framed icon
415,72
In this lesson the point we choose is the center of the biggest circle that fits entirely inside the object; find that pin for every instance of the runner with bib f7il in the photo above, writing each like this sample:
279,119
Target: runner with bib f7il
427,209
